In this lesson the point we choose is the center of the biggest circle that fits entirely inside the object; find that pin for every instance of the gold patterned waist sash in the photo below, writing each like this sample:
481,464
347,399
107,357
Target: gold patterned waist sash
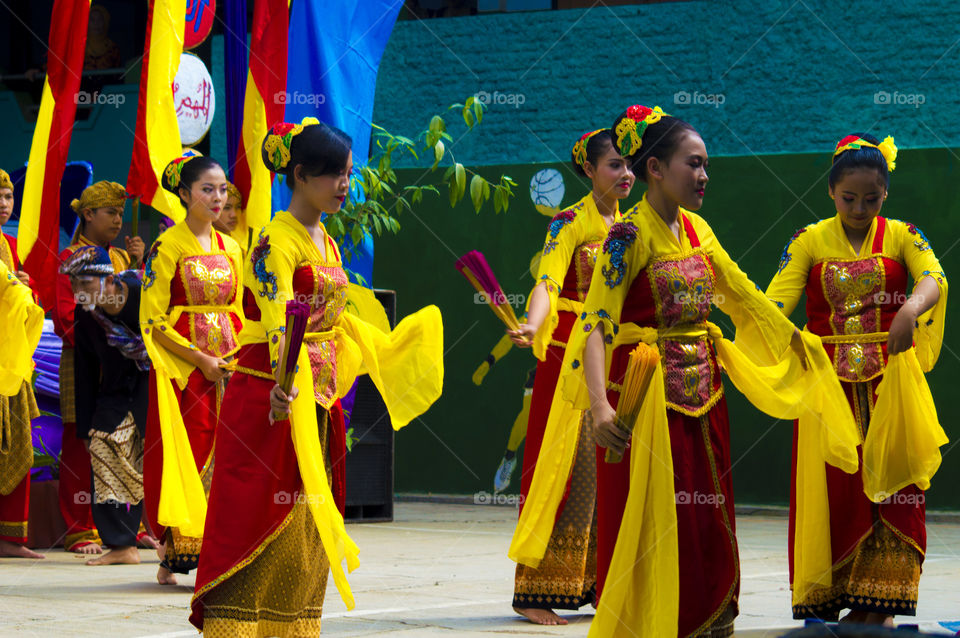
177,311
867,337
631,333
309,337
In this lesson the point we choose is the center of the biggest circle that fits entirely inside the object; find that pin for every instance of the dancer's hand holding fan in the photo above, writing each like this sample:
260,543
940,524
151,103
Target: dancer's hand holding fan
298,313
643,361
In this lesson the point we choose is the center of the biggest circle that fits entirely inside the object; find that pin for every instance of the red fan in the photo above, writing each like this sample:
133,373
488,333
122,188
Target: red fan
298,313
475,268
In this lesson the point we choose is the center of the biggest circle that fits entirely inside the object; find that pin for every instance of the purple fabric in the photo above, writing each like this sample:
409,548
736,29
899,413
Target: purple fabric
235,74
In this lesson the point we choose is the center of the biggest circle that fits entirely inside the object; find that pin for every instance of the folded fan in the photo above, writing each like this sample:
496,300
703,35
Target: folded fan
474,267
642,362
298,313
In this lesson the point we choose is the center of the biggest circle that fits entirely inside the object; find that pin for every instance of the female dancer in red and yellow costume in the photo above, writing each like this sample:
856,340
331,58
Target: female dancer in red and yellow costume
191,315
853,268
20,318
667,559
566,576
273,530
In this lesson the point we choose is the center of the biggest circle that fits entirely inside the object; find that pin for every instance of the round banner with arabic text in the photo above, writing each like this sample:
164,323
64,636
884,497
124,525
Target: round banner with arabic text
194,99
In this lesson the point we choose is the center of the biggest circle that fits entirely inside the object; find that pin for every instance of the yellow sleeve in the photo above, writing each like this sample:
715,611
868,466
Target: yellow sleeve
922,262
765,331
22,322
624,255
790,280
564,234
269,276
405,364
159,270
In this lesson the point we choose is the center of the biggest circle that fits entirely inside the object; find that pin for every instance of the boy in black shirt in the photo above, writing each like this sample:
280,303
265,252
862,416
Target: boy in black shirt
112,389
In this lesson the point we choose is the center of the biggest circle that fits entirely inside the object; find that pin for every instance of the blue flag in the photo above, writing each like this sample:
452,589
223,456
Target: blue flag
333,56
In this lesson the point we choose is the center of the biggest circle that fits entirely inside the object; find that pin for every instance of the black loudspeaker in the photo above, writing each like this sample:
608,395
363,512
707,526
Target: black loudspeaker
369,465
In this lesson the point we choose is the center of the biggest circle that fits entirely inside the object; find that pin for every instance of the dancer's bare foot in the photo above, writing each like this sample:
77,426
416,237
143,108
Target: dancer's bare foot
147,542
87,548
166,577
119,556
540,616
16,550
161,550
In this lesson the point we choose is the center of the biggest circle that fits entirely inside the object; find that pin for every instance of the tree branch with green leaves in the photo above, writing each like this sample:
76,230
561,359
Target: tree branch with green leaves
385,198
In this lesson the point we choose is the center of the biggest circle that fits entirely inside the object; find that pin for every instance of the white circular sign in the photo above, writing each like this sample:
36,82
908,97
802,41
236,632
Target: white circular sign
546,188
193,98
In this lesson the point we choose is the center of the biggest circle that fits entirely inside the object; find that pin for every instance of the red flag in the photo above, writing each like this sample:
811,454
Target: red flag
157,139
263,105
38,234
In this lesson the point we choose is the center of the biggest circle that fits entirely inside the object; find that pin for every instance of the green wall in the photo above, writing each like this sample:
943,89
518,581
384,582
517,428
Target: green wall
754,204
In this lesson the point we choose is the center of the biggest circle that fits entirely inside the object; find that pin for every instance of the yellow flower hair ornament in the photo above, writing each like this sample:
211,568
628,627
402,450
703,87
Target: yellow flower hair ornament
5,181
580,148
630,130
173,171
887,148
276,146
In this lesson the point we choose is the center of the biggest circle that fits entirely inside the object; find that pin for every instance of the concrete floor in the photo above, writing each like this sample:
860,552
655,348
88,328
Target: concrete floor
438,570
